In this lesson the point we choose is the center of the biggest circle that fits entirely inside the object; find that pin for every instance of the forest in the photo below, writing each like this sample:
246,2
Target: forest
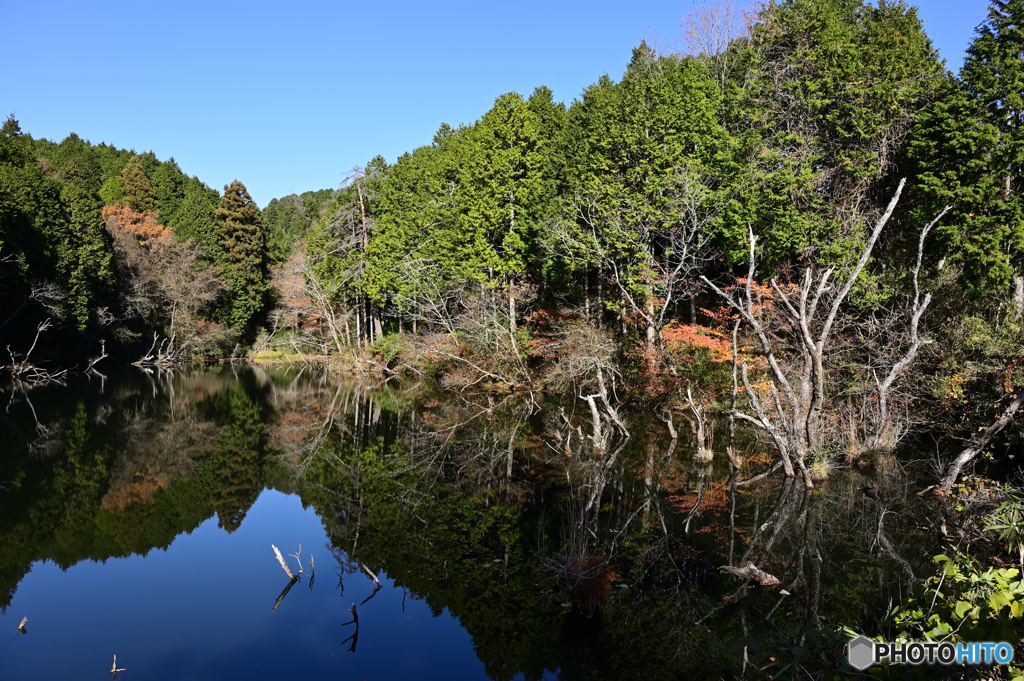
803,222
800,240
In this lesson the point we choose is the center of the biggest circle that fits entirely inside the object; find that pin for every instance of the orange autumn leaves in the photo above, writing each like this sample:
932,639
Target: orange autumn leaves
143,225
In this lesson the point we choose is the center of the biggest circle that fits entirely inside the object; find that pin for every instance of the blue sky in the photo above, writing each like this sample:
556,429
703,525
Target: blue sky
290,98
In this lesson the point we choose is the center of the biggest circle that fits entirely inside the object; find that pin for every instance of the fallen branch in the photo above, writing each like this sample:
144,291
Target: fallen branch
21,627
751,572
978,444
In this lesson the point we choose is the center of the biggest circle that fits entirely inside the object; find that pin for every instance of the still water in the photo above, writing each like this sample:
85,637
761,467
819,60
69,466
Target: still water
137,514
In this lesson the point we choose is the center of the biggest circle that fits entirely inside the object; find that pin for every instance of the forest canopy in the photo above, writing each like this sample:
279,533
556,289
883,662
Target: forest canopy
818,152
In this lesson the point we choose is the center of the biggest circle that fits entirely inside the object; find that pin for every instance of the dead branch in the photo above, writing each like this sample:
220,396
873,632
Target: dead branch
977,445
297,559
372,576
284,565
751,572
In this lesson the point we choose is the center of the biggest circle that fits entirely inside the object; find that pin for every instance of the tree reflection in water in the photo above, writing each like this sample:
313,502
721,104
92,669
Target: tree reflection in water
558,541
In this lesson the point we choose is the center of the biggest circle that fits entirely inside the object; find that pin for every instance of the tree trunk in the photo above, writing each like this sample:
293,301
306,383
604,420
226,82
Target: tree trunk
378,328
651,331
978,444
1018,297
511,311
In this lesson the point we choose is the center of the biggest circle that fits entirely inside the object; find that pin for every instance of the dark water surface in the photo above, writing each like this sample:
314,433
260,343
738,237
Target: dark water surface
137,514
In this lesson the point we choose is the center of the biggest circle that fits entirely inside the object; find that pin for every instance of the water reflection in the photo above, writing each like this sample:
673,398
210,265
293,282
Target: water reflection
560,542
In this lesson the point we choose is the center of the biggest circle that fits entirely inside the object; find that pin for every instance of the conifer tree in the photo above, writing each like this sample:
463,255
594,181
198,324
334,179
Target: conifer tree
241,252
138,192
970,147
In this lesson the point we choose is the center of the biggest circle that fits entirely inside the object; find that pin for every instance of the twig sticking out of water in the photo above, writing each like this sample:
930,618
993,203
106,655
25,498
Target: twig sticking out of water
297,559
372,576
284,565
21,627
114,669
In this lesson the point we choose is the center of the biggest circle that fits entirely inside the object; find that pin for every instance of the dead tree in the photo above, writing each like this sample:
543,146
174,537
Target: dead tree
884,438
703,431
976,446
796,432
23,370
163,355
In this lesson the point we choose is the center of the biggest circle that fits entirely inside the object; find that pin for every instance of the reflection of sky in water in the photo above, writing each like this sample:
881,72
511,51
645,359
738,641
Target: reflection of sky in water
201,610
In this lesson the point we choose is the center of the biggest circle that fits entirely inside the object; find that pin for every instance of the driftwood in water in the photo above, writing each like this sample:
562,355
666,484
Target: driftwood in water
21,627
284,565
751,572
372,576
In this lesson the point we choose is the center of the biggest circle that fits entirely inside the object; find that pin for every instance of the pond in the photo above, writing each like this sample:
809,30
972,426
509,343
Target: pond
440,535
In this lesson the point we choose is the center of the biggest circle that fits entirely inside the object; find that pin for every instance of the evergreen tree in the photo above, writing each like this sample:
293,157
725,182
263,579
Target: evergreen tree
52,225
138,192
169,189
970,150
196,216
241,250
831,90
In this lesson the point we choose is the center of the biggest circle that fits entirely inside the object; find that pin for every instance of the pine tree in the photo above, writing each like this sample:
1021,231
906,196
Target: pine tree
242,253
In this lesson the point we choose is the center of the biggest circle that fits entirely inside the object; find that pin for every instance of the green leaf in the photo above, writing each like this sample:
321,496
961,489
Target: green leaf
998,600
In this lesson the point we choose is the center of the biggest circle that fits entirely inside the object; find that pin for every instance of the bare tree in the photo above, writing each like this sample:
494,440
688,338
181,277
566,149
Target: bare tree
668,258
166,285
710,28
796,431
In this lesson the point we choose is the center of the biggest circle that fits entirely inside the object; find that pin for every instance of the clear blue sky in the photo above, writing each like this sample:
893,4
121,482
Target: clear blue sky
289,98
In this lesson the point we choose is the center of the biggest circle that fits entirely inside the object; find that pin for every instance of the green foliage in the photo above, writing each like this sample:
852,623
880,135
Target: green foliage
289,218
389,347
830,92
970,604
241,251
138,191
1007,520
52,225
969,152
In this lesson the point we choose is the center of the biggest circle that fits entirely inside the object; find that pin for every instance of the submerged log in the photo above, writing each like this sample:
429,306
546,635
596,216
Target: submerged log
751,572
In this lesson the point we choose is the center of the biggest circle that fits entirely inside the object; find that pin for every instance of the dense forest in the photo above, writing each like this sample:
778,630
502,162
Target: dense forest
805,221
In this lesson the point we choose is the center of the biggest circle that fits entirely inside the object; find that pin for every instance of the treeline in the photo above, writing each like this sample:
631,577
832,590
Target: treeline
607,246
543,241
113,245
798,130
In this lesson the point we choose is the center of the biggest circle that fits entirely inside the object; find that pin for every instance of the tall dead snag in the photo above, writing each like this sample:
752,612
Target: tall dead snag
977,445
884,438
796,432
